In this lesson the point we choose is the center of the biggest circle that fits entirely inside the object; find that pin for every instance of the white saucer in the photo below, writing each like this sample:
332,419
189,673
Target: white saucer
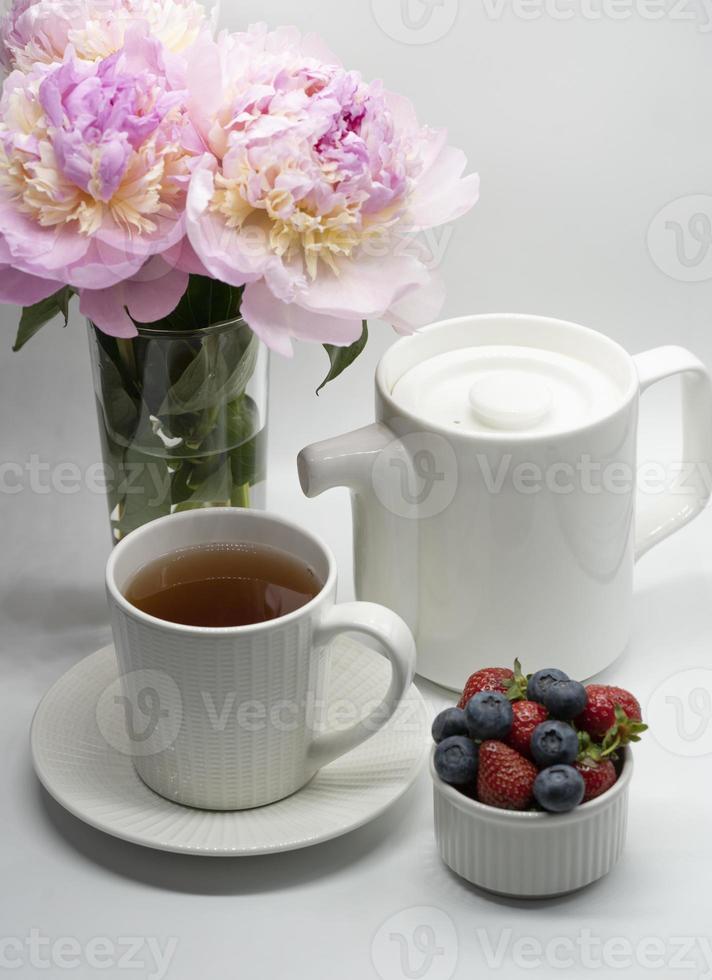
98,784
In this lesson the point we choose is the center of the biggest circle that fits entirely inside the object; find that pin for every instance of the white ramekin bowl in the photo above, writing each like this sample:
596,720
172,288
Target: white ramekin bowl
531,855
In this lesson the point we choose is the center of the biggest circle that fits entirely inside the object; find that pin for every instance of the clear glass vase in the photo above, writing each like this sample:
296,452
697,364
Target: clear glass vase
182,420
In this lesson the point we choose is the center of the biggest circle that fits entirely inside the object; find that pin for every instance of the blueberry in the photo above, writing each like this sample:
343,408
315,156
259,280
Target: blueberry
554,743
565,699
456,760
559,789
489,716
539,682
449,722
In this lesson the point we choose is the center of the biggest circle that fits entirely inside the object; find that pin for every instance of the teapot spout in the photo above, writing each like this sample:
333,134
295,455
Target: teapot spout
385,544
344,461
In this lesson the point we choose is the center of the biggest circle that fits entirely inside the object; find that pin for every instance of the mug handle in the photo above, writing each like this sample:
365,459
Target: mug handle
398,646
662,516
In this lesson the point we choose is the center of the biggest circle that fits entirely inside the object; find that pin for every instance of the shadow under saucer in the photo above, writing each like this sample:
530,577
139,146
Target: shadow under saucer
197,875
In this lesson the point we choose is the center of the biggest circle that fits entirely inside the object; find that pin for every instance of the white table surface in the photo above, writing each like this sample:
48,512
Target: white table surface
336,910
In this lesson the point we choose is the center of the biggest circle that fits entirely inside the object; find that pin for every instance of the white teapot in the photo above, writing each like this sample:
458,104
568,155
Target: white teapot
495,502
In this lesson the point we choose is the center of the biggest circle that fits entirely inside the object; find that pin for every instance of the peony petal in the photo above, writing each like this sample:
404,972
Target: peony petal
39,250
17,287
135,249
222,251
275,323
206,85
442,194
106,309
235,257
155,291
205,230
231,255
102,267
183,256
404,114
364,288
418,307
202,188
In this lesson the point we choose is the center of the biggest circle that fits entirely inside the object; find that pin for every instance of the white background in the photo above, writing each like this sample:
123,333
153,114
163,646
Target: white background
583,130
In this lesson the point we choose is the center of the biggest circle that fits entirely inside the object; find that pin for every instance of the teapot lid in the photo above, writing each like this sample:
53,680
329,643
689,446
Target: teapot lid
507,376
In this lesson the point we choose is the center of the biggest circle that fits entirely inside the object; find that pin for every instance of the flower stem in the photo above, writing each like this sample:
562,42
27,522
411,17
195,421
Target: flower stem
240,496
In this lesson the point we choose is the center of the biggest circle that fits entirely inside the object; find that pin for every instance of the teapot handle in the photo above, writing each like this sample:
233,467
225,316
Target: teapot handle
661,516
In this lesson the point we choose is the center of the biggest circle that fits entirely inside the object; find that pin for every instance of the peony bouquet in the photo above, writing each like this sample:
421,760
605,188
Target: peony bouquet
170,179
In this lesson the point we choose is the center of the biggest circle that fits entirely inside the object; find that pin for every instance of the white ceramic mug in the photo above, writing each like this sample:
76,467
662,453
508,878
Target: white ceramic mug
225,719
484,571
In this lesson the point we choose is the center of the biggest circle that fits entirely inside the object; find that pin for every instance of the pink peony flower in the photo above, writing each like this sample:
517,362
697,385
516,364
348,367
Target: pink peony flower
39,31
94,167
312,188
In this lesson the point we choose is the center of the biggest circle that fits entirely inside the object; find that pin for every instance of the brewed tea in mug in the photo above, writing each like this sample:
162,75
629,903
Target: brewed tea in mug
223,585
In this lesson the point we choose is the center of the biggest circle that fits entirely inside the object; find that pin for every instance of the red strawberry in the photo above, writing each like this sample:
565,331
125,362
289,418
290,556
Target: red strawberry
626,701
598,776
527,715
505,778
599,715
487,679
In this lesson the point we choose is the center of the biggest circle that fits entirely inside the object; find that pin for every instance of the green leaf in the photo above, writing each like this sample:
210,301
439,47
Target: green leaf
35,317
517,686
219,372
119,411
202,482
343,357
243,421
144,490
247,458
215,477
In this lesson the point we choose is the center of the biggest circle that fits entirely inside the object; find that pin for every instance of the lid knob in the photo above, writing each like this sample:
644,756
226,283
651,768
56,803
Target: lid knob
510,399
